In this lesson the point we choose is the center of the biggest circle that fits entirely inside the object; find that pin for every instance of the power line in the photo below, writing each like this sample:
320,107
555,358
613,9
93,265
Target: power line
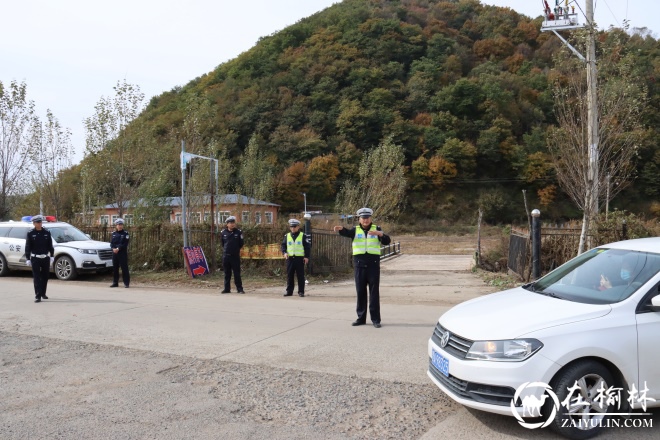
614,16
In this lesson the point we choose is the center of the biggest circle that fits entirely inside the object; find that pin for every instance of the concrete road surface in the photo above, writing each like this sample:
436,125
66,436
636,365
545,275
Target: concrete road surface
264,330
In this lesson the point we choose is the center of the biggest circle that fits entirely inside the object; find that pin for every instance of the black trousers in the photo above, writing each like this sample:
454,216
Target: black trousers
295,266
367,274
232,263
40,274
120,259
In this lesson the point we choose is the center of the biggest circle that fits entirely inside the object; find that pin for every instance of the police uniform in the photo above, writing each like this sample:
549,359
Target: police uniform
366,261
296,249
39,251
232,242
119,241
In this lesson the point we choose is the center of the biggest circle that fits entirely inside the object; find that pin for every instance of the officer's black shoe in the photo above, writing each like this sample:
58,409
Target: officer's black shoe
125,287
287,294
301,294
44,297
377,324
114,285
38,300
225,291
357,322
241,291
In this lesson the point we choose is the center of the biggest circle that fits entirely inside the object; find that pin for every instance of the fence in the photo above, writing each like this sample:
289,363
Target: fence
159,246
558,245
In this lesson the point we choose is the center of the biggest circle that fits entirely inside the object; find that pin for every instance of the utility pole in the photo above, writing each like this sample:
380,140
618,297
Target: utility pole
592,108
568,21
183,193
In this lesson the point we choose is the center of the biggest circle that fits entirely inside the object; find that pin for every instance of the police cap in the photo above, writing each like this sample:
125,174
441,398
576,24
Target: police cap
37,219
231,219
365,212
119,221
294,222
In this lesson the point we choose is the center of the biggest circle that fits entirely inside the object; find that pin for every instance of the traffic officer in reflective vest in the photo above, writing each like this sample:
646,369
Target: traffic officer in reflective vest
232,242
38,249
367,239
119,245
296,250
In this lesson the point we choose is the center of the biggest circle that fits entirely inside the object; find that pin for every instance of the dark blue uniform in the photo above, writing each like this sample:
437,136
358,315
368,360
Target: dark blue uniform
232,242
296,265
367,273
39,249
120,259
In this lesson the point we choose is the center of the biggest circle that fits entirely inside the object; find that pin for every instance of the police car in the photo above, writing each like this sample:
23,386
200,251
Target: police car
75,252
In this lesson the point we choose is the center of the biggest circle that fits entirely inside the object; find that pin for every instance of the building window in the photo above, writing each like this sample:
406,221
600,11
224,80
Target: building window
104,220
195,217
177,218
207,217
245,217
128,219
257,218
269,218
223,216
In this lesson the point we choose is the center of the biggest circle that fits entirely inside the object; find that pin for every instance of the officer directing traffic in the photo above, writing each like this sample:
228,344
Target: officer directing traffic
119,245
296,250
367,239
232,242
38,248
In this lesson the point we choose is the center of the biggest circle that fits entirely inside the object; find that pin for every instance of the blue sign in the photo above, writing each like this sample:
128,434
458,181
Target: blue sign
195,261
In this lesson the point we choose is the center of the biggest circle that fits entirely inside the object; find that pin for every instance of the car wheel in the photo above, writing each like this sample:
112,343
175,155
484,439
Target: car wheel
586,413
65,268
4,270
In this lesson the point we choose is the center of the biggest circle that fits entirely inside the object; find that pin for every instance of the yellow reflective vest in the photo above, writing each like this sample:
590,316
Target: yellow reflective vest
295,247
365,244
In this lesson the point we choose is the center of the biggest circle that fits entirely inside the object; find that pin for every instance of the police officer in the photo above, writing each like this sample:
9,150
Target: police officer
119,245
232,242
296,250
367,239
38,246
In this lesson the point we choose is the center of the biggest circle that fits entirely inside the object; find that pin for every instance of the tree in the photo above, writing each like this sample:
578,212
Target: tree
50,157
17,122
109,141
621,101
381,185
255,175
322,174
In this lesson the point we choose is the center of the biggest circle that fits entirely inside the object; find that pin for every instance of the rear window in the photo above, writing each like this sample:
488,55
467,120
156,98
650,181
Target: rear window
18,233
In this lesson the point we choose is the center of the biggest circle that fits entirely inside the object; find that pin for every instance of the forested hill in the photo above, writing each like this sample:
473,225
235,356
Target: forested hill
462,86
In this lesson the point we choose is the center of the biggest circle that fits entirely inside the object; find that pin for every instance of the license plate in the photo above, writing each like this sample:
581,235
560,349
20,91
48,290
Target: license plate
440,362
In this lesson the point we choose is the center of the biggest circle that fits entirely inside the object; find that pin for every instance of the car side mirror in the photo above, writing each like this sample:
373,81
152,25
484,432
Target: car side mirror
655,303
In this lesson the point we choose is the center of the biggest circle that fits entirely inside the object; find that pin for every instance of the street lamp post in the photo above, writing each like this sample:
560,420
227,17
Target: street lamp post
305,198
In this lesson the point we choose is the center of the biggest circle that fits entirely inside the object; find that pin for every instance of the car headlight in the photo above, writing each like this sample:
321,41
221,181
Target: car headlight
87,251
512,350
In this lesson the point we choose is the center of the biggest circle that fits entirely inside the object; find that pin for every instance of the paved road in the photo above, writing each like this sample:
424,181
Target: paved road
263,330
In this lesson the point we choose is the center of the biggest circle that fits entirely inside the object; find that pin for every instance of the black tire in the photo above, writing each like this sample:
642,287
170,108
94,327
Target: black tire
65,268
588,374
4,269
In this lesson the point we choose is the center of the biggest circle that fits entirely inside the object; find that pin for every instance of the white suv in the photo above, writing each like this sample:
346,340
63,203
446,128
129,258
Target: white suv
574,348
75,252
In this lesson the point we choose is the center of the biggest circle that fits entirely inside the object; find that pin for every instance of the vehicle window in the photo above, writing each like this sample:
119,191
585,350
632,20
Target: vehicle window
4,231
18,233
600,276
65,234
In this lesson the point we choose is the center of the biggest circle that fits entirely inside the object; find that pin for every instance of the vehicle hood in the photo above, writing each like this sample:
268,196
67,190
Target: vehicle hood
515,313
85,244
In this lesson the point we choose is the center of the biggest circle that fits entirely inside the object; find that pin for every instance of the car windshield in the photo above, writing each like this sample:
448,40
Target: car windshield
599,276
65,234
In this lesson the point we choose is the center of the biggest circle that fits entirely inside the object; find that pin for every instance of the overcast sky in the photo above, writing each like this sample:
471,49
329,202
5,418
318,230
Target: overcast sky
70,53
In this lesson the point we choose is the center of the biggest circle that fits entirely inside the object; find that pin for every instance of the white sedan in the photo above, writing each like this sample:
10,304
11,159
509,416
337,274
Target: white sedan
577,350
